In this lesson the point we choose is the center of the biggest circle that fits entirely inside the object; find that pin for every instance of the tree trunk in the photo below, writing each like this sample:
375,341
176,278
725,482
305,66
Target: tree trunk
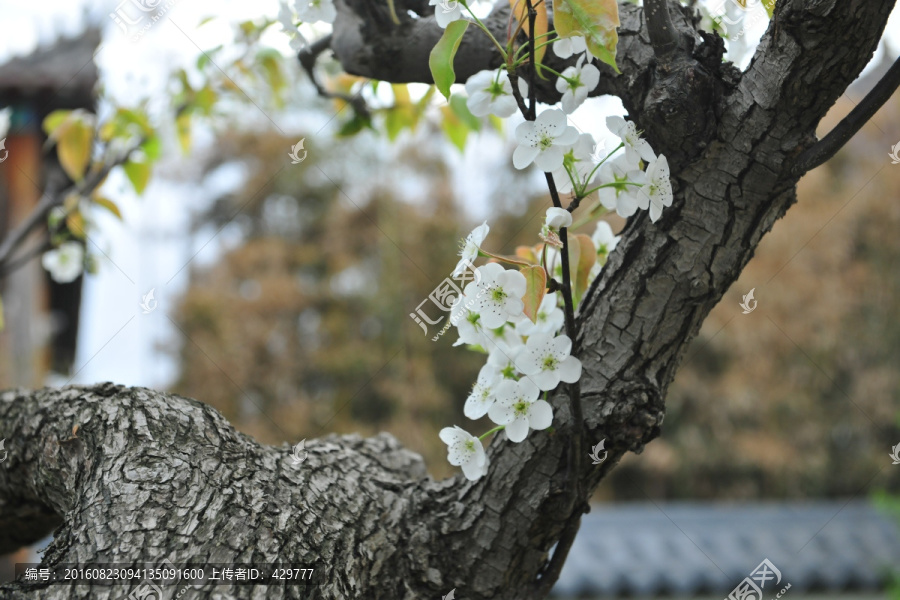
153,476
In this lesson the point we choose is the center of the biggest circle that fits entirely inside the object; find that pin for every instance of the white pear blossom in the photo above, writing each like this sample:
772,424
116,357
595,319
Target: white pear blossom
544,141
567,46
446,11
313,11
482,396
490,92
557,218
497,297
622,196
518,408
465,450
604,240
288,22
575,84
550,318
579,161
503,360
468,251
501,337
657,193
635,147
468,324
554,263
546,361
64,263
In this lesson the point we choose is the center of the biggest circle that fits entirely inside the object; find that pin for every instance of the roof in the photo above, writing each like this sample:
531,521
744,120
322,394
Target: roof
64,69
690,548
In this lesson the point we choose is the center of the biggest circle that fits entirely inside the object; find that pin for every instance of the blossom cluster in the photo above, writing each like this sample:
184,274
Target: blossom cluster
525,357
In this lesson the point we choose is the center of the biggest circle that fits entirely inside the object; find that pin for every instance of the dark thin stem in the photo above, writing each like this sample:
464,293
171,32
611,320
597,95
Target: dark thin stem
663,35
532,88
828,146
24,258
308,56
49,201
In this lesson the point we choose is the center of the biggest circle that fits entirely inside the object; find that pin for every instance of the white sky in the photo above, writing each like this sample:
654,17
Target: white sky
117,341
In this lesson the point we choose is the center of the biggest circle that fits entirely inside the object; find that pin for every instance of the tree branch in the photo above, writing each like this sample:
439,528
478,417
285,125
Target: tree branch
663,35
828,146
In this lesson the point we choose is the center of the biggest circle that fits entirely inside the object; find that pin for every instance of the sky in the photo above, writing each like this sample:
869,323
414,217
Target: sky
120,340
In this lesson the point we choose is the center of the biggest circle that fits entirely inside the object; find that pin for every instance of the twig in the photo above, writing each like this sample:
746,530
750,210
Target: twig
551,572
663,35
828,146
308,57
48,202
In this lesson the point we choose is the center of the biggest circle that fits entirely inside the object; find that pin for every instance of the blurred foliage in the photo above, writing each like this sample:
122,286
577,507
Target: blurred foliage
308,317
304,328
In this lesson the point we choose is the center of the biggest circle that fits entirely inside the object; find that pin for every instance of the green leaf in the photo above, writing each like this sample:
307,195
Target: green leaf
596,20
74,137
535,288
441,59
770,7
138,174
183,128
454,128
108,205
54,120
587,258
461,110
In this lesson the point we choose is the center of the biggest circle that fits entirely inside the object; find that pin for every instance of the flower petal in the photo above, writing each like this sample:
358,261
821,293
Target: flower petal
540,415
570,370
517,430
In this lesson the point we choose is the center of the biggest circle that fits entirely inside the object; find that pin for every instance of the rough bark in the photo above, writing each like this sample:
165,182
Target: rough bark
365,510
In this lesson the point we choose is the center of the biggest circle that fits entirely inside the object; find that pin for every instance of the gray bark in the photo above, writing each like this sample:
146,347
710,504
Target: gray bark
365,510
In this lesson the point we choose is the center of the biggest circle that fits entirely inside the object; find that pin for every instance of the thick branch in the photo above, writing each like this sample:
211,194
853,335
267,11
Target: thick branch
663,35
828,146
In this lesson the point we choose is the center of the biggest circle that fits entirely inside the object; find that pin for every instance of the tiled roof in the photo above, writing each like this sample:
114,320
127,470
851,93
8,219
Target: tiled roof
64,68
689,548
